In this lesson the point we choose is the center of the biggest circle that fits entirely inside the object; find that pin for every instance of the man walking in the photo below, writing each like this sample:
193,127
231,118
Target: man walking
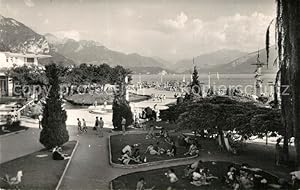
101,125
84,127
79,126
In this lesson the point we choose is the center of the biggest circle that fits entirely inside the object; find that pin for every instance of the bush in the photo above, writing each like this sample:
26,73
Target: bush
121,109
54,132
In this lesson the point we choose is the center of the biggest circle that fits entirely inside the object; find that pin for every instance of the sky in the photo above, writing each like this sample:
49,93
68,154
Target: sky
169,29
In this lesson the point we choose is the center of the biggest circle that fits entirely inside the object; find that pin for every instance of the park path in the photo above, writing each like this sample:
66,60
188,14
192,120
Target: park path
90,168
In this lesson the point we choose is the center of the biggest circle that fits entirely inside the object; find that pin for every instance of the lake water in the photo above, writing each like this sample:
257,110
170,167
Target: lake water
233,80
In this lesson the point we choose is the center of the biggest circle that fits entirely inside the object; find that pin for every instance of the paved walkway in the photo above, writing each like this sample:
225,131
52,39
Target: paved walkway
90,169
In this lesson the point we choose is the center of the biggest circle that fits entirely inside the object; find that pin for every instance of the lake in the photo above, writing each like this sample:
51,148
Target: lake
225,80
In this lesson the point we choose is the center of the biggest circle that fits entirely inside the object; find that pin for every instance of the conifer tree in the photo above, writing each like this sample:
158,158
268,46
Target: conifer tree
195,85
54,132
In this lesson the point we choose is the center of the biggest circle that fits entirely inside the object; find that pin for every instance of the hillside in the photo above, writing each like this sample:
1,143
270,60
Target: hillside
208,61
16,37
91,52
244,63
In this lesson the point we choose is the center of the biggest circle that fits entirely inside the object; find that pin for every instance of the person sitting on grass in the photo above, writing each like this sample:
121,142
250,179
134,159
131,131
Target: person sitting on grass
162,132
151,150
193,150
231,177
167,137
141,185
158,148
136,157
245,180
125,158
151,133
202,177
128,148
188,171
58,155
172,151
172,177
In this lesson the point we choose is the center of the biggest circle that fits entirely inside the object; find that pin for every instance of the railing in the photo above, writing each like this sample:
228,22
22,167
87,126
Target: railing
13,111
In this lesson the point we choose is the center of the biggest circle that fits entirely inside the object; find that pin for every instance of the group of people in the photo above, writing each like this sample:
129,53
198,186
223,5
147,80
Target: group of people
245,177
158,97
82,127
131,153
198,174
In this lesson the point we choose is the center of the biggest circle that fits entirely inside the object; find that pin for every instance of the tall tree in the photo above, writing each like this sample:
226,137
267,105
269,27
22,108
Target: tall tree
54,132
288,43
195,84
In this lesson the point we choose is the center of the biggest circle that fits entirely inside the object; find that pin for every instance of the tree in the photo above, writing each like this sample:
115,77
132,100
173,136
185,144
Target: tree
195,85
218,114
54,132
288,49
121,106
28,75
121,109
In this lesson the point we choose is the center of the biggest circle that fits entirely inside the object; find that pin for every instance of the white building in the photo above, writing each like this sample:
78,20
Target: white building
9,60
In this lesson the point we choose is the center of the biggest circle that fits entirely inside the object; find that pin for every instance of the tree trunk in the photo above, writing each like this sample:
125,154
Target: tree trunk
294,36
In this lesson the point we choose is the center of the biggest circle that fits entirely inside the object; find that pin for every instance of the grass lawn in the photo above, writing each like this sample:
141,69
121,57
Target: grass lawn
12,129
118,142
158,179
38,173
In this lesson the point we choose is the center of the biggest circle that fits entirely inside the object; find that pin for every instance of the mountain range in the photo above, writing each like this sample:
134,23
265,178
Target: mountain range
91,52
17,37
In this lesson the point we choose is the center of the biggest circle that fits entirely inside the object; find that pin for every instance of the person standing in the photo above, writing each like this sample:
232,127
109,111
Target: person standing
84,127
104,104
101,125
123,123
96,124
79,125
40,117
278,150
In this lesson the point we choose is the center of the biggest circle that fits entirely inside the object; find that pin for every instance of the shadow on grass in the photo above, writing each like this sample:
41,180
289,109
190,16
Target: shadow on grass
38,172
12,129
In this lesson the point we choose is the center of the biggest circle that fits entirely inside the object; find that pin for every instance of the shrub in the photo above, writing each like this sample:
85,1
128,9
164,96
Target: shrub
121,109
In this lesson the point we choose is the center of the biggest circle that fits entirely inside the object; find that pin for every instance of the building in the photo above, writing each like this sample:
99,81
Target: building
9,60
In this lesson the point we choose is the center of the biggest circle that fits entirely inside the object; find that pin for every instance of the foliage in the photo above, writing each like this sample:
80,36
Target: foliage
28,75
121,109
54,132
218,113
195,84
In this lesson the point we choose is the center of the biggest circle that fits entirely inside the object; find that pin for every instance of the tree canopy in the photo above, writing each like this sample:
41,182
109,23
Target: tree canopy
222,113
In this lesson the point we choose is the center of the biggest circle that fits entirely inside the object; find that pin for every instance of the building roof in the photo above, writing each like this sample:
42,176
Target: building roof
31,55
